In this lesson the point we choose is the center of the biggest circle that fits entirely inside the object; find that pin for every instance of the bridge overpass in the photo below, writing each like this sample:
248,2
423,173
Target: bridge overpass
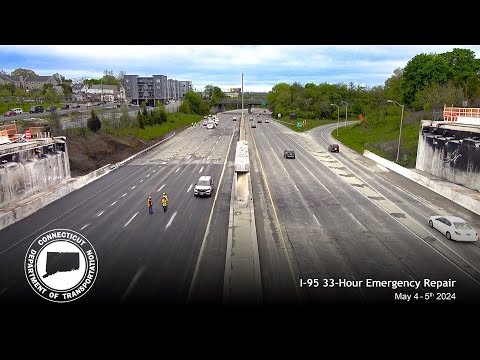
248,103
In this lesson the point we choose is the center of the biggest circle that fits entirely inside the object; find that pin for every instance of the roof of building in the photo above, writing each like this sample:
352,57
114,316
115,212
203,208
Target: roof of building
38,78
104,87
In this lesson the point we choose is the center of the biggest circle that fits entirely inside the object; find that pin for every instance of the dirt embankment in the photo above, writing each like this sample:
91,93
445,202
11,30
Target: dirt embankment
94,150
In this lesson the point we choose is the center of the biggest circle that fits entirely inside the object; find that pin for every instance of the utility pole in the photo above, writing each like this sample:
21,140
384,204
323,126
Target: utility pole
242,96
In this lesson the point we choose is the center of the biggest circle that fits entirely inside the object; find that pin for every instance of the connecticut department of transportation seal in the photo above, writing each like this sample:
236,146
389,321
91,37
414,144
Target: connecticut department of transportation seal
61,265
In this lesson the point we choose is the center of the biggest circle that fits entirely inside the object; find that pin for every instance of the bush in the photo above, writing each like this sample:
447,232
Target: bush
94,123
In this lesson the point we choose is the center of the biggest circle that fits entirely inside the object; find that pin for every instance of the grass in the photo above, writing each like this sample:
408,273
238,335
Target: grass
382,139
174,121
311,123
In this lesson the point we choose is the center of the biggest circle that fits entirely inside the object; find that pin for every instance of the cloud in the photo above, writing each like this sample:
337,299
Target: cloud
263,65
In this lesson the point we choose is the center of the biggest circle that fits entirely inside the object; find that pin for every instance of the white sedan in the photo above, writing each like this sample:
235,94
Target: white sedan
453,227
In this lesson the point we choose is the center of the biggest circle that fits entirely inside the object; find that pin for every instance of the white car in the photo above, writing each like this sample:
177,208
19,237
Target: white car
453,227
234,118
17,110
204,186
267,121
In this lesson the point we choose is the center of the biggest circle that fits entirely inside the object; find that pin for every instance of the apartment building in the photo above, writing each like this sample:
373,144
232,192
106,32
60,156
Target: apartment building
156,88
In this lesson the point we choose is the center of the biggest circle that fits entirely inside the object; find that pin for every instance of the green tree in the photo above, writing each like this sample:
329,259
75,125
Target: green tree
141,120
94,123
462,64
393,85
125,118
23,72
59,78
436,96
54,122
197,105
473,89
421,71
185,107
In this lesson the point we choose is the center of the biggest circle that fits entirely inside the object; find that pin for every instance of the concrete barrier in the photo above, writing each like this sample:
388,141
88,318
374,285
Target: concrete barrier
14,213
123,162
28,207
468,198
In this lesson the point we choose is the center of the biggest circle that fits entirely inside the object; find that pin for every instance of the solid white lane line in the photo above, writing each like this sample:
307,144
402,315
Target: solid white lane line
171,219
128,222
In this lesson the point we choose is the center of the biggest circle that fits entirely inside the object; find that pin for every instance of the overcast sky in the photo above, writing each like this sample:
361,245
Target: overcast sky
263,66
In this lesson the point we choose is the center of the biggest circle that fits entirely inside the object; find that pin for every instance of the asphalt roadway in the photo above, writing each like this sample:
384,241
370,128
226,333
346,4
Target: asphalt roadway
329,224
142,258
330,227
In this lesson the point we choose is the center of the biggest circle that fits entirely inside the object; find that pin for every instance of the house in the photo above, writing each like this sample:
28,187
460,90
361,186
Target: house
106,92
37,82
77,88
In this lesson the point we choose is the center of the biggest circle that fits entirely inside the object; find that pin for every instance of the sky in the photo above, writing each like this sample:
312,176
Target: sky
263,66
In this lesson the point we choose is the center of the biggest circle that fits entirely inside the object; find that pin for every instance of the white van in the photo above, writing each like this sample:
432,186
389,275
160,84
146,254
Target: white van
17,110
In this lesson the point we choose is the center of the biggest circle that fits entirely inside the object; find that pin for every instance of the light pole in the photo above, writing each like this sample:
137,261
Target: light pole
242,97
346,112
338,117
401,124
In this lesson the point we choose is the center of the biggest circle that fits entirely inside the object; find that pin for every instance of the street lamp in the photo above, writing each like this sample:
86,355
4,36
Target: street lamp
242,98
338,117
346,112
401,124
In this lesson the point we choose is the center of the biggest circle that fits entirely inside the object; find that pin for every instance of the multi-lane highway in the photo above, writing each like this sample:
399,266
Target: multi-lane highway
339,216
142,258
330,226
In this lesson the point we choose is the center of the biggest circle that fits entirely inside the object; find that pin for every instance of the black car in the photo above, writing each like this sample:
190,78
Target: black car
333,148
289,154
65,107
36,109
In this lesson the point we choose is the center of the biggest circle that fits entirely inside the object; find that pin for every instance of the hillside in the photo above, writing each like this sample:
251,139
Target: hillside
94,150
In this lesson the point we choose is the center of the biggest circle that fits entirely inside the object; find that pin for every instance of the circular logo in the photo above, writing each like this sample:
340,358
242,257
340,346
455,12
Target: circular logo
61,265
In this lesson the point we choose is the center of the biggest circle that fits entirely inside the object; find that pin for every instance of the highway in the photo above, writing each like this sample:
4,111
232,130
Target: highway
142,258
340,217
328,225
